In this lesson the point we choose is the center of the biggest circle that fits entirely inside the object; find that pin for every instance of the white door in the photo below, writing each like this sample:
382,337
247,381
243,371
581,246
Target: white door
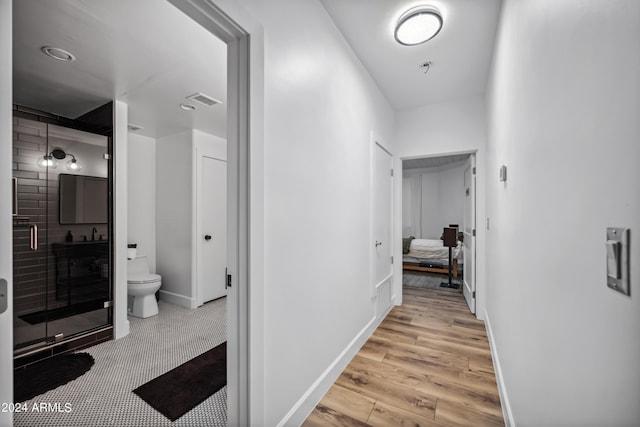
212,214
469,229
382,244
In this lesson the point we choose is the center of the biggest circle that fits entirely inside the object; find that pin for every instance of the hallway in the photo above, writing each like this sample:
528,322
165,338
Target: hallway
428,363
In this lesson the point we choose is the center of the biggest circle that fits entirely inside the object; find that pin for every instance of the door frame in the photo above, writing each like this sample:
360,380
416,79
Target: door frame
480,286
469,293
244,37
6,221
376,141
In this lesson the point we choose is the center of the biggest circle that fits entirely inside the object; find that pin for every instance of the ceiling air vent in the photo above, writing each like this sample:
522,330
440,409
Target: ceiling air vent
204,99
133,127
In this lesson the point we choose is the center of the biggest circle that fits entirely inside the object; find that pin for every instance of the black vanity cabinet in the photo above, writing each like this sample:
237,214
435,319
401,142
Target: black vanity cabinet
82,272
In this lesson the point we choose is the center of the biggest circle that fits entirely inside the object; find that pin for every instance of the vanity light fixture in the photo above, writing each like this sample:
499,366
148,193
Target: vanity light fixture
50,160
73,164
47,161
418,25
57,53
187,107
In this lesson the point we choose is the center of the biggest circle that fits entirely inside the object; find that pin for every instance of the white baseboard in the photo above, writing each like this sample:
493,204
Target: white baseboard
314,394
177,299
502,389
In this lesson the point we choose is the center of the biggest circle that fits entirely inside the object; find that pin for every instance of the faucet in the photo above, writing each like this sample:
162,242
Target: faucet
93,233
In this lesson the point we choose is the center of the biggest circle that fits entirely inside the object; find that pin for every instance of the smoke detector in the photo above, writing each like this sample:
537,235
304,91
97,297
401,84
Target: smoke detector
425,66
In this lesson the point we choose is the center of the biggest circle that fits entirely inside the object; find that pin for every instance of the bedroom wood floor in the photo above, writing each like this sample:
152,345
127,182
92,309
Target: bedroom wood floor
427,364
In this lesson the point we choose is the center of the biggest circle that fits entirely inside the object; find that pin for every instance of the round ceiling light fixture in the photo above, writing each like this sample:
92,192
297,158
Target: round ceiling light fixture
187,107
57,53
418,25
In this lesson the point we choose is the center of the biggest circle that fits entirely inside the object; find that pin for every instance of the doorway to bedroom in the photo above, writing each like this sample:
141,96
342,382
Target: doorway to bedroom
438,201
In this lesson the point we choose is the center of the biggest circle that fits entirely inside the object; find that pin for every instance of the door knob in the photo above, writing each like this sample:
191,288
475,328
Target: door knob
378,243
207,237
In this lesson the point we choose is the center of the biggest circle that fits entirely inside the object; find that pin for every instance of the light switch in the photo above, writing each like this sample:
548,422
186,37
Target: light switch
613,259
617,246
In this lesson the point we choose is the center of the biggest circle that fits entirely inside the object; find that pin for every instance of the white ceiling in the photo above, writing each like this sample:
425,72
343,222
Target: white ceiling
151,61
460,53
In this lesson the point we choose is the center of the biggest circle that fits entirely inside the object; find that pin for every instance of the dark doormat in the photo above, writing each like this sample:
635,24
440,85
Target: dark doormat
178,391
33,380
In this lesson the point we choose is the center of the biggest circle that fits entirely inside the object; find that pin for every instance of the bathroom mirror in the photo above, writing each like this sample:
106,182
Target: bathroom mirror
83,199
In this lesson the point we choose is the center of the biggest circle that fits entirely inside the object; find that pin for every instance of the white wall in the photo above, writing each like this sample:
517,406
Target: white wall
215,145
563,110
120,217
174,198
175,215
442,198
451,195
6,231
445,128
141,208
320,106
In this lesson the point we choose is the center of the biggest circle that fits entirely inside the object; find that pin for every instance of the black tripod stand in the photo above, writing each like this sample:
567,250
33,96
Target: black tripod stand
450,239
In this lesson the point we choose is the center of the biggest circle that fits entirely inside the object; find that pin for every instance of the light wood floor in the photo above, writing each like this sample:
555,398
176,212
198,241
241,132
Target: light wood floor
427,364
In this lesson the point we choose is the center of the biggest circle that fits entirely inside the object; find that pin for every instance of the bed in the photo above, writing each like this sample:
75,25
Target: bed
431,256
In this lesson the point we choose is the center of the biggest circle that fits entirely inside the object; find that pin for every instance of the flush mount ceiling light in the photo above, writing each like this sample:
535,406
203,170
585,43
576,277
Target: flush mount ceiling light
187,107
57,53
418,25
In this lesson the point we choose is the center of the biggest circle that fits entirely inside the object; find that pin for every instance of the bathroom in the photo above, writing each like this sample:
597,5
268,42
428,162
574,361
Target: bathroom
145,148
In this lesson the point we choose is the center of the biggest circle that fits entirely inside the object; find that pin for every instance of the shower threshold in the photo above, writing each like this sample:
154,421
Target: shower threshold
35,352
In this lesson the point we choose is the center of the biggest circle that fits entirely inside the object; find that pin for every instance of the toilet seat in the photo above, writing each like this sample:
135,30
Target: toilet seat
143,278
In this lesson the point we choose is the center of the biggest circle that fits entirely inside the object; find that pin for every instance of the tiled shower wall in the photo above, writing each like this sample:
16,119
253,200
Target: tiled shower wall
37,199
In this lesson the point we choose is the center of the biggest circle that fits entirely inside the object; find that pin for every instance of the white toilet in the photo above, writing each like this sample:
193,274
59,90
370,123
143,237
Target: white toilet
141,288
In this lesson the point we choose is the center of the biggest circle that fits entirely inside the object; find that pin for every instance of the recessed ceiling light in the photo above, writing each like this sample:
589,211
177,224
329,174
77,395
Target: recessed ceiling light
133,127
418,25
188,107
57,53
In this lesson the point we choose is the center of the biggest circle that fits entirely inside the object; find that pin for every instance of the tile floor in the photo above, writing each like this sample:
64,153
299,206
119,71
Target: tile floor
103,396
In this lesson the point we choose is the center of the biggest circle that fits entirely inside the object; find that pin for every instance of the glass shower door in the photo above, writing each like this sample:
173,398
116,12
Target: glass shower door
62,284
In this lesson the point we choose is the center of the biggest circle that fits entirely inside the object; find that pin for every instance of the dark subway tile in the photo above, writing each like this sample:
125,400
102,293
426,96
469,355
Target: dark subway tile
31,139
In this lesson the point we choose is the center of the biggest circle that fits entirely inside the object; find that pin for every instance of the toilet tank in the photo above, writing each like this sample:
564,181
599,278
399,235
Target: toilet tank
137,266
